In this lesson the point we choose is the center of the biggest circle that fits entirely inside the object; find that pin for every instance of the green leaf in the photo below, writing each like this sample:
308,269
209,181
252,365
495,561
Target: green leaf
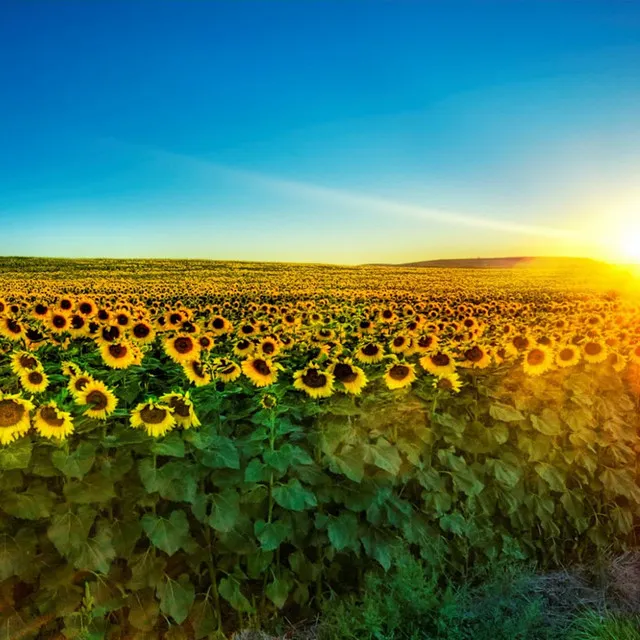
467,481
343,531
176,597
148,474
15,455
554,477
549,424
126,534
34,503
505,412
351,462
621,482
143,610
94,488
171,445
225,510
178,481
294,496
508,475
278,590
281,459
385,456
229,589
69,530
17,554
202,618
221,454
77,463
167,534
256,471
271,534
453,522
96,552
147,570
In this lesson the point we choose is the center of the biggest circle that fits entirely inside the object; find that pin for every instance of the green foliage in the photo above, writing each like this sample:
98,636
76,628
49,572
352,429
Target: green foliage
594,626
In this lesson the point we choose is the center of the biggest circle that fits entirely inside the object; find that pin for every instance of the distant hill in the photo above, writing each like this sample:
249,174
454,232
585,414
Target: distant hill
500,263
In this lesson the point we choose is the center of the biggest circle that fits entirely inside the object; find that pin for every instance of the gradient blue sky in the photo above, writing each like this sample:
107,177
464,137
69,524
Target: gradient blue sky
347,131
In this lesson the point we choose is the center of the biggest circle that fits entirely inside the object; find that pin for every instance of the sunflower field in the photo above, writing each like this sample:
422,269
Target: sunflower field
187,447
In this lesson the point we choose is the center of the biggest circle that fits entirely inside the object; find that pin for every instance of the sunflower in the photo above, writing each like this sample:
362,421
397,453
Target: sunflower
14,417
143,332
268,401
352,378
155,418
182,407
315,383
34,381
99,398
399,374
220,325
567,356
268,347
537,360
87,308
58,322
370,353
617,361
205,342
11,329
182,348
51,422
261,371
117,355
40,311
243,348
594,351
476,357
78,383
634,354
424,343
226,370
78,325
400,344
439,363
448,382
196,371
23,362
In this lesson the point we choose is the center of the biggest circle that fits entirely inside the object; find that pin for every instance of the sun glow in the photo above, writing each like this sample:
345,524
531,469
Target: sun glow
630,243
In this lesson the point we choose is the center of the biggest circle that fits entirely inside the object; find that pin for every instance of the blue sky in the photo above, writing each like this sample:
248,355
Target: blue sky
347,131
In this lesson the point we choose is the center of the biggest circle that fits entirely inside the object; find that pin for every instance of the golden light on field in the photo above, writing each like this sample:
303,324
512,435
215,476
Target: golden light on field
630,243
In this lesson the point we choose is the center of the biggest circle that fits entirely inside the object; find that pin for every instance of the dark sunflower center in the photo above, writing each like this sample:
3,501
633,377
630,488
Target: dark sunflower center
204,342
228,370
11,413
365,324
398,342
545,340
180,407
197,369
50,416
475,354
153,415
243,344
80,383
445,383
425,341
344,372
268,348
261,367
247,329
59,321
34,336
290,319
175,318
468,323
27,362
593,348
77,322
313,379
13,326
566,354
520,342
189,327
110,334
141,330
85,308
41,309
535,357
117,351
183,345
218,323
103,314
441,360
35,377
122,319
98,399
399,372
66,305
387,314
371,350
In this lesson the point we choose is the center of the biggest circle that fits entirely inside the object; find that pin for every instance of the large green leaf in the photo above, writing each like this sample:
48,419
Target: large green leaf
176,597
96,552
167,534
171,445
221,454
94,488
278,590
225,510
229,589
385,456
15,455
343,531
33,504
505,412
552,475
281,459
621,482
70,529
294,496
77,463
272,534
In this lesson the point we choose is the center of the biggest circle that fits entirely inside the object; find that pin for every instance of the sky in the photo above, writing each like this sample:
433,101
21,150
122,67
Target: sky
315,131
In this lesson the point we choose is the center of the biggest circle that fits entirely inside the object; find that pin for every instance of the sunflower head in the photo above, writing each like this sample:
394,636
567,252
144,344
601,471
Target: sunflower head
99,400
399,375
155,418
314,382
52,422
15,417
448,382
35,381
